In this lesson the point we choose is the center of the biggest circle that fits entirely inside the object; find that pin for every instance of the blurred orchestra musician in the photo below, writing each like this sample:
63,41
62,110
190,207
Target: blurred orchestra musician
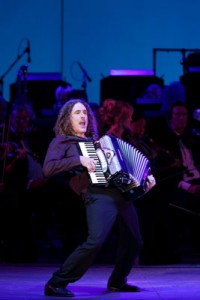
139,137
184,144
25,148
153,210
105,112
115,117
65,93
161,159
22,154
184,190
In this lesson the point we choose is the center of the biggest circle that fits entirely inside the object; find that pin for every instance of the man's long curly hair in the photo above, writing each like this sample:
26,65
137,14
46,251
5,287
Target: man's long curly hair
63,125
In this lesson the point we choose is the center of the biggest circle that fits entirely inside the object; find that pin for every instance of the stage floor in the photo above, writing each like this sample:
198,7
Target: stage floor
26,282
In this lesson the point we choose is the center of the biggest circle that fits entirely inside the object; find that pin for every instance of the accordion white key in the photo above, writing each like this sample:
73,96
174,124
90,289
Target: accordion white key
118,163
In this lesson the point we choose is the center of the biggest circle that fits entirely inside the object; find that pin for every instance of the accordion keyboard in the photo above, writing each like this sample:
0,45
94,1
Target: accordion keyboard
88,150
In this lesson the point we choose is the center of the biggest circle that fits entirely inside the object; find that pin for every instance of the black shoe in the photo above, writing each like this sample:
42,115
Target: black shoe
51,290
124,288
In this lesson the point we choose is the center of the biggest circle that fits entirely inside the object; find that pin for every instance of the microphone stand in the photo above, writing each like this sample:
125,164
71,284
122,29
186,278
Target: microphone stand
9,68
84,83
183,62
85,78
84,86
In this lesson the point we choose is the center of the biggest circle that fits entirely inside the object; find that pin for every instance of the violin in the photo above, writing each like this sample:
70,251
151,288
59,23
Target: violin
8,149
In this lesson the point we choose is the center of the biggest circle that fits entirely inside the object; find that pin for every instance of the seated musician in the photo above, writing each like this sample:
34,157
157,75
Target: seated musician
23,180
181,141
116,117
162,161
153,210
183,192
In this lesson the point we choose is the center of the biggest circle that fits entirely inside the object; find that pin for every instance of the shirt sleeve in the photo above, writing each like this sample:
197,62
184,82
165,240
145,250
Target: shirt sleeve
61,156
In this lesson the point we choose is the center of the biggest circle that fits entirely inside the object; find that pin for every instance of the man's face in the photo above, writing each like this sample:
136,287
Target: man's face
138,128
20,121
179,119
79,119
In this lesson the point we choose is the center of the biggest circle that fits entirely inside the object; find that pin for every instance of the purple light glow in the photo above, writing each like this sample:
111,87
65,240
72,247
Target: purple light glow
131,72
45,76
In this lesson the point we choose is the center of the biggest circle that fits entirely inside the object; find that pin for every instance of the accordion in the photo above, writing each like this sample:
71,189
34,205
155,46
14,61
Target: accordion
118,163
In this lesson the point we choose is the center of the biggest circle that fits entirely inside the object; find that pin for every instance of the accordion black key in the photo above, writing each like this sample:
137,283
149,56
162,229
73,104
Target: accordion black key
118,163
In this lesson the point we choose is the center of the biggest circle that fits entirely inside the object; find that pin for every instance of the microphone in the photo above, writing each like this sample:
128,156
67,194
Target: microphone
28,50
84,72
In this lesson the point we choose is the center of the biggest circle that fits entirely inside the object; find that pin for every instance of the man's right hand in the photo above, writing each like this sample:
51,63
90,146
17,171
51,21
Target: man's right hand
88,163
